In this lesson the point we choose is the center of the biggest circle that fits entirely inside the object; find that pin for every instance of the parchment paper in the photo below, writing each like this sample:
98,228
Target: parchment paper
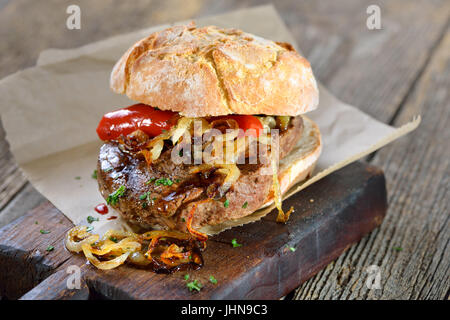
50,113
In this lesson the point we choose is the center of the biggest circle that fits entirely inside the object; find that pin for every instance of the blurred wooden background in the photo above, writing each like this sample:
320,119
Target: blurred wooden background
392,74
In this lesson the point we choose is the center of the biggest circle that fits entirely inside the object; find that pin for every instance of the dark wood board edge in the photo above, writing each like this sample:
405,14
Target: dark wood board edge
271,272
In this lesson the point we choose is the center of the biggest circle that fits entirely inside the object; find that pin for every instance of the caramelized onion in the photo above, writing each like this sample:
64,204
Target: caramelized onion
104,265
282,216
232,174
179,130
283,122
197,234
268,122
116,247
77,236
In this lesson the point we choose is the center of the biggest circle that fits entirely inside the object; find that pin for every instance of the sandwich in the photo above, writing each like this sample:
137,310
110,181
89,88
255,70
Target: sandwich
217,130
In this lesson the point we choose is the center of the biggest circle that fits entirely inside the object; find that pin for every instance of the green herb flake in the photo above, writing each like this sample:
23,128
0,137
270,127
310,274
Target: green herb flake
50,248
44,231
113,239
78,178
183,220
212,280
226,204
398,249
235,244
164,182
194,285
94,174
113,198
186,277
143,196
245,205
36,222
151,180
144,205
91,219
89,229
291,248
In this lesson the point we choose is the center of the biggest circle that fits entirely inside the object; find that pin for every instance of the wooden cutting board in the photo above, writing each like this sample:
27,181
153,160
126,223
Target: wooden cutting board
329,216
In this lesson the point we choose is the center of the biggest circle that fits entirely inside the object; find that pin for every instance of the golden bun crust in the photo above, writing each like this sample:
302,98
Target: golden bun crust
210,71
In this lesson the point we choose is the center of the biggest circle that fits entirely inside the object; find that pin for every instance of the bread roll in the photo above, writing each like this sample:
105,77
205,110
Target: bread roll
211,71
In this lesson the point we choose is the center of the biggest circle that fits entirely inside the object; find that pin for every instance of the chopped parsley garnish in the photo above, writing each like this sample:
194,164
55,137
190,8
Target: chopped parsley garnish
194,285
89,229
245,205
91,219
108,169
291,248
113,239
50,248
94,174
226,204
398,248
186,277
183,220
78,178
151,180
146,196
212,280
143,196
44,231
164,182
235,244
180,153
113,198
177,180
36,222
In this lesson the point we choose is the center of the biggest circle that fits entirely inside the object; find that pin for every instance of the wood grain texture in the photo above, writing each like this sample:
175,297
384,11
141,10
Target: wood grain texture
382,72
347,204
417,170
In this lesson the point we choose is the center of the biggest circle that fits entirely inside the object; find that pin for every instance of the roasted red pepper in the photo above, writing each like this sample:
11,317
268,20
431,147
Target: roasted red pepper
139,116
246,122
153,121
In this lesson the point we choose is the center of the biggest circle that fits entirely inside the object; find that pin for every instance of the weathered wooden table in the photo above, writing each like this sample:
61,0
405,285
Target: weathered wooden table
393,74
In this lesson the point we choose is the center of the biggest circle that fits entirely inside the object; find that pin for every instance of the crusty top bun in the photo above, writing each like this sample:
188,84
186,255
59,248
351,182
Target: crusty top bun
210,71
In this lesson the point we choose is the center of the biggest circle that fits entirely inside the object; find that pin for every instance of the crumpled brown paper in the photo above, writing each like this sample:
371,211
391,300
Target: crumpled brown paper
50,113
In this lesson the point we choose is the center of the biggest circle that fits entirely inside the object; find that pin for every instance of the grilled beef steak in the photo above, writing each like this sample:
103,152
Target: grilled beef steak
163,193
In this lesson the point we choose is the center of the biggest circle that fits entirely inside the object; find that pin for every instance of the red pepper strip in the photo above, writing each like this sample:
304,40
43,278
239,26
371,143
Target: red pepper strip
139,116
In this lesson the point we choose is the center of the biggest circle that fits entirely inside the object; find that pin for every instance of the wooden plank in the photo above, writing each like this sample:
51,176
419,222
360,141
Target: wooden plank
371,69
11,177
417,170
347,204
